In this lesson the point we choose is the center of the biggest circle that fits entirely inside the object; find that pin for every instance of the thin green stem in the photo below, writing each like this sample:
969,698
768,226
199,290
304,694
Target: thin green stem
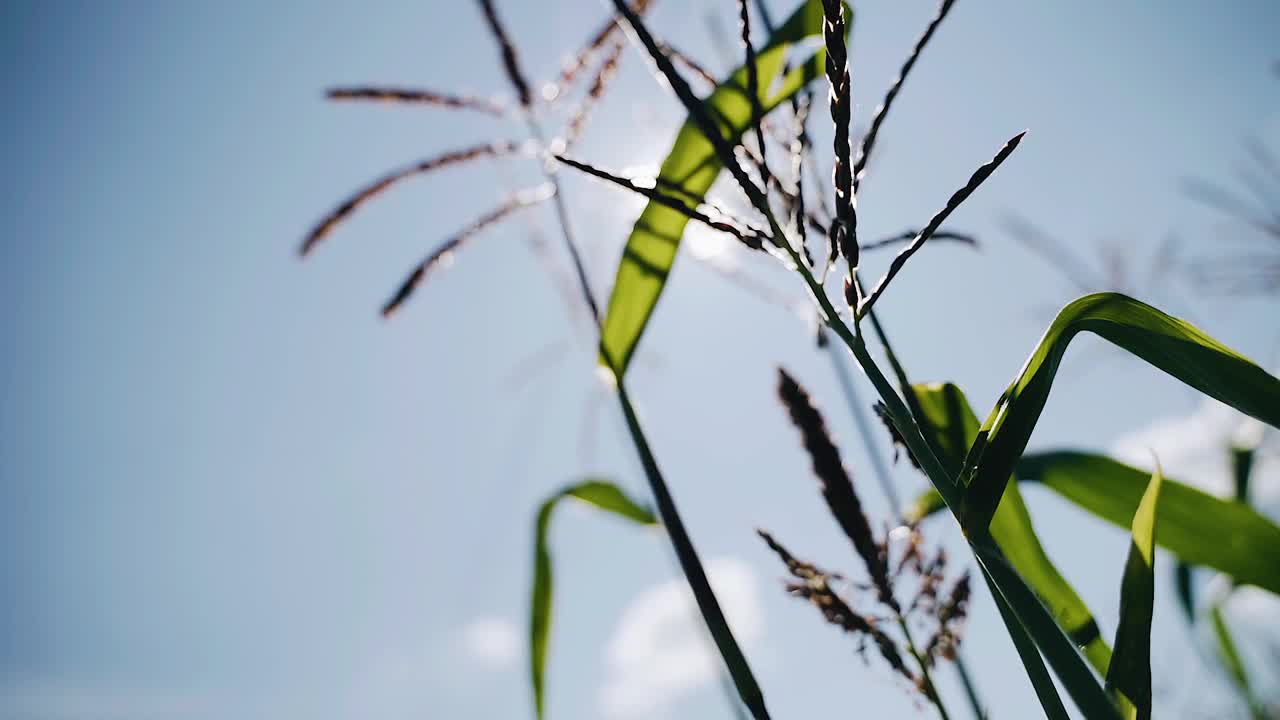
695,575
882,474
739,670
566,230
929,690
864,429
904,383
970,690
894,404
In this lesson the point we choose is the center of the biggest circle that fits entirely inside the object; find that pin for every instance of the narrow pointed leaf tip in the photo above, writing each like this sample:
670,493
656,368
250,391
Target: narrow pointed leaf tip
979,176
1129,677
601,495
877,120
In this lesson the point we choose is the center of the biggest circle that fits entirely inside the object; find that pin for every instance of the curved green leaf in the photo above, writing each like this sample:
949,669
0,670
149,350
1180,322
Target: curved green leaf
1129,676
596,493
951,426
1168,343
1244,541
689,170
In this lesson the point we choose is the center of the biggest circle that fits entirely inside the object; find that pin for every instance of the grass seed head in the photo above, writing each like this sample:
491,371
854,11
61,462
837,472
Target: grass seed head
837,487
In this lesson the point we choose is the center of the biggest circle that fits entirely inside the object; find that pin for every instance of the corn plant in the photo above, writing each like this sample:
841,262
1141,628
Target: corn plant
752,126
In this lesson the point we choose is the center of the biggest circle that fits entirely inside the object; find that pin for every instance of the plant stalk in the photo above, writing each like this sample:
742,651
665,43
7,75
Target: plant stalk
739,670
695,574
929,690
882,472
864,429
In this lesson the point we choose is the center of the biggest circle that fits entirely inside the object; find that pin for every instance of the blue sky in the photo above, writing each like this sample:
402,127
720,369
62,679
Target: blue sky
229,489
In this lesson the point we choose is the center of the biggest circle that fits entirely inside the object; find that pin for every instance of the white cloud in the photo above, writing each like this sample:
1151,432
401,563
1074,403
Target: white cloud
661,650
492,643
1195,449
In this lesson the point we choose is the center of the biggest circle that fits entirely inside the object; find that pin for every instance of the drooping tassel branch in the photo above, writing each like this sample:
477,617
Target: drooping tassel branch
377,187
882,111
444,253
750,238
415,97
978,177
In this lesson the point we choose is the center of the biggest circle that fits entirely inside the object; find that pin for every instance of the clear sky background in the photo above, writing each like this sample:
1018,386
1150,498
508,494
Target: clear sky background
229,489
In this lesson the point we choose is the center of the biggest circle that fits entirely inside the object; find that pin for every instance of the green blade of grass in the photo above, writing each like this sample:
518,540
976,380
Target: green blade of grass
1032,615
689,171
1244,541
951,426
1173,345
1234,664
595,493
1027,610
1031,660
1129,677
744,680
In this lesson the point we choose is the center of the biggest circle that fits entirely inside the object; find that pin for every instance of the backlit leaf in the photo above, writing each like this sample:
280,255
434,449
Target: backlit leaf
1129,676
595,493
689,170
1173,345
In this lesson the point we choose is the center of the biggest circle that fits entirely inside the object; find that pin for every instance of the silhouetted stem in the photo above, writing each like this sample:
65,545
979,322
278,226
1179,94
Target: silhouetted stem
864,429
970,690
882,473
930,691
562,215
748,690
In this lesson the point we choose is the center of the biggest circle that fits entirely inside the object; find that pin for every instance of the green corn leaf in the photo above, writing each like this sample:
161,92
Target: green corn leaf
951,427
1244,541
689,170
1025,615
1129,677
1168,343
1243,538
596,493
